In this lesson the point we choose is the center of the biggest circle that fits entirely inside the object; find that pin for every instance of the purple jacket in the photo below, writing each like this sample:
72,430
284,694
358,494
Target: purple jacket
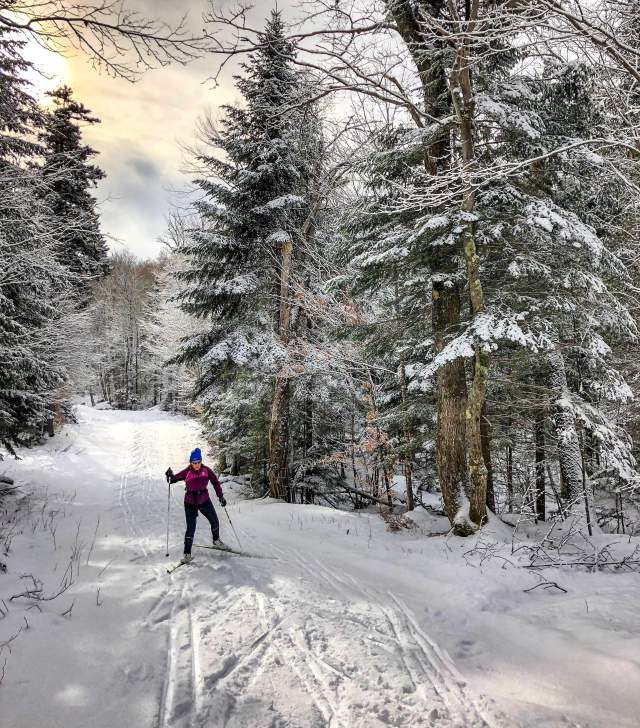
196,492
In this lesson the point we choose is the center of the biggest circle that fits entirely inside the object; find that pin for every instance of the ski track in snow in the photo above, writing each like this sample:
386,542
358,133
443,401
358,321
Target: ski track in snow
424,661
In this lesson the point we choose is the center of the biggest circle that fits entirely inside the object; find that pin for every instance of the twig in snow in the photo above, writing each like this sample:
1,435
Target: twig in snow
7,643
37,591
93,542
485,551
546,585
105,567
67,612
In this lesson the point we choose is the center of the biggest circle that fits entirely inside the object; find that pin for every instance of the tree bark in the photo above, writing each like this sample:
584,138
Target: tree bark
540,458
278,467
460,86
451,396
407,435
308,423
509,477
486,454
569,453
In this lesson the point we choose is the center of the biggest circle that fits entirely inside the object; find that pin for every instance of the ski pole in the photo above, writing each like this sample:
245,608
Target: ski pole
168,510
232,526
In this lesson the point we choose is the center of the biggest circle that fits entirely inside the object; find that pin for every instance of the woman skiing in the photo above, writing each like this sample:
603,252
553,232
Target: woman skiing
196,477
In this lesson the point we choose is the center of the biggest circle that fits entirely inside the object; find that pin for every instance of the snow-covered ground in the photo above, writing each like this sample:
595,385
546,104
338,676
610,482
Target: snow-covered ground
346,625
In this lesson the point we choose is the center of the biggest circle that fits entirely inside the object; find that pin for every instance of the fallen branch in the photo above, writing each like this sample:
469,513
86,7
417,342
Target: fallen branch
632,565
364,494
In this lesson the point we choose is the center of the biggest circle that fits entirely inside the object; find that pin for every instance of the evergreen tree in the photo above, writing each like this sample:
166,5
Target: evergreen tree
71,177
19,113
33,286
242,259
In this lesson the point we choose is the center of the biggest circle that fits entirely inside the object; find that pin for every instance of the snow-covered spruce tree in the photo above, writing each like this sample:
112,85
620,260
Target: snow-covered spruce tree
72,177
29,374
33,284
242,259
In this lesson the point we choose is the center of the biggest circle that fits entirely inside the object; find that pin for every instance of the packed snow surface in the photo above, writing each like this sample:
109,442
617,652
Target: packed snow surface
345,625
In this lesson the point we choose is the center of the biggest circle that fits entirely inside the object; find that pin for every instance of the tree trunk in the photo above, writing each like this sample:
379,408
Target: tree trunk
463,102
408,439
451,401
509,459
486,454
278,468
540,457
102,380
509,478
353,446
569,453
308,423
382,466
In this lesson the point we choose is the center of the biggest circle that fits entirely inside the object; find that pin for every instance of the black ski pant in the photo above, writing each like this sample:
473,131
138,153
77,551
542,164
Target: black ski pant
191,513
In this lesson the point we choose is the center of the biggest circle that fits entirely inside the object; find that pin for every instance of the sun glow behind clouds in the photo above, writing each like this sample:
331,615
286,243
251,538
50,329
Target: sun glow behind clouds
50,70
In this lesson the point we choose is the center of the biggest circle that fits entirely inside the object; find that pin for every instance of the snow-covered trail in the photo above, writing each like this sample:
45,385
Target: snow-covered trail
344,627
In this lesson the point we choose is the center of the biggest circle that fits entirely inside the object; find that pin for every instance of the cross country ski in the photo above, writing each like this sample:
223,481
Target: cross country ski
234,552
171,569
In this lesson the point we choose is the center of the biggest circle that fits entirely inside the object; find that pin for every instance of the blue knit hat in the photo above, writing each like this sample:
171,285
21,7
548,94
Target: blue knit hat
195,455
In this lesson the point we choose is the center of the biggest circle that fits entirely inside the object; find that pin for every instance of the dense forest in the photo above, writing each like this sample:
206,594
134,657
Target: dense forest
410,265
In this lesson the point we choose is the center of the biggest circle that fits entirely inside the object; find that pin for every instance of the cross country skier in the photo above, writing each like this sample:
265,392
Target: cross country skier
196,498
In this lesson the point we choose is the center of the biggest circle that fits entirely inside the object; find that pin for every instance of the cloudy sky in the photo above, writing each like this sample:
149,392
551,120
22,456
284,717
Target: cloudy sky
145,128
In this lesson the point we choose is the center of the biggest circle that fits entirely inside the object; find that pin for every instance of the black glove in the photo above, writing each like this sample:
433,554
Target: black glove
223,502
169,475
